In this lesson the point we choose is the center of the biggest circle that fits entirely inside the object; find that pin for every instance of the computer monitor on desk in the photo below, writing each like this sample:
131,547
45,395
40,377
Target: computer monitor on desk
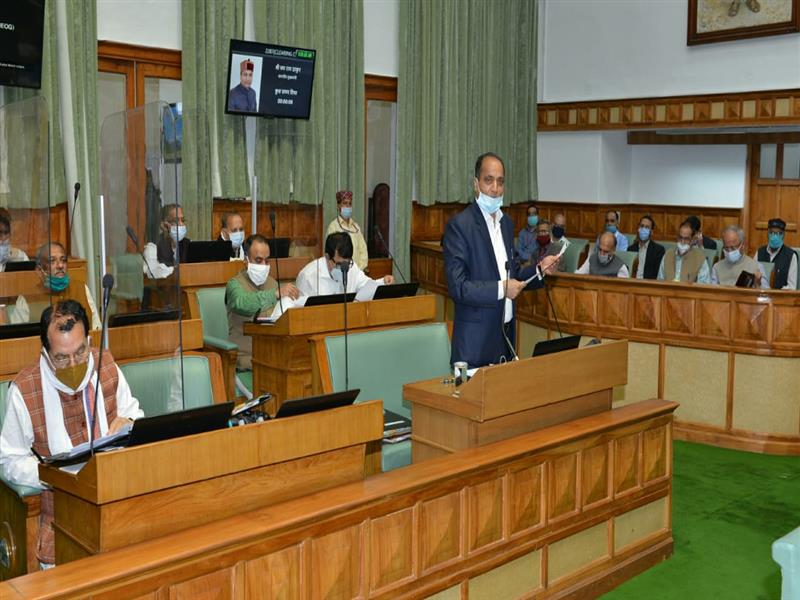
141,317
301,406
20,265
214,251
280,247
329,299
557,345
397,290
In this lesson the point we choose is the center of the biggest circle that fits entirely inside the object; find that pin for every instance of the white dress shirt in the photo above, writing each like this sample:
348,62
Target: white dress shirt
501,256
316,280
16,438
643,246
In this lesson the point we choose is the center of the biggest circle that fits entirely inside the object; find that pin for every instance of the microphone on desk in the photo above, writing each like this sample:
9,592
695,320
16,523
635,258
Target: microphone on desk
344,267
108,284
389,252
135,241
77,188
277,262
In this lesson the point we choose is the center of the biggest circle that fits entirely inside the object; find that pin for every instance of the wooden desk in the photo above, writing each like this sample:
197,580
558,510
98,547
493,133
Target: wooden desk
282,353
119,499
568,511
506,400
216,274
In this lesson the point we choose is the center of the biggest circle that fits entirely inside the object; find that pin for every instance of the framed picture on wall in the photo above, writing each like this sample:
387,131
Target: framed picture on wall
725,20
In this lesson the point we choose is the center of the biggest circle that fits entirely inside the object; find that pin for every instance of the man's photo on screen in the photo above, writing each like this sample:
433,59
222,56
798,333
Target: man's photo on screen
245,83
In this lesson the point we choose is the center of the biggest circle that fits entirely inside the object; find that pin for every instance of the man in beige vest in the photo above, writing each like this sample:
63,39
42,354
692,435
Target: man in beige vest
685,263
252,292
727,271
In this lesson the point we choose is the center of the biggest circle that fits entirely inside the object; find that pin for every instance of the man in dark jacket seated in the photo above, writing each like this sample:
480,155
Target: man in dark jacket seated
650,252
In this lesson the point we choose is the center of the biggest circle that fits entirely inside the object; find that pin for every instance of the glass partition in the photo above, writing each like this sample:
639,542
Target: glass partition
25,231
142,224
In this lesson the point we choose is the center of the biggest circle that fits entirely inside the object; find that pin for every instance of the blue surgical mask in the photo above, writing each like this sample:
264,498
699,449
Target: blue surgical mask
489,204
644,233
56,283
533,220
177,233
5,251
611,228
558,231
775,240
733,256
347,212
237,237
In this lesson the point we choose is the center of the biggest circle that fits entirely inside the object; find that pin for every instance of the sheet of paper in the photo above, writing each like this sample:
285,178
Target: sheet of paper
285,304
564,247
367,291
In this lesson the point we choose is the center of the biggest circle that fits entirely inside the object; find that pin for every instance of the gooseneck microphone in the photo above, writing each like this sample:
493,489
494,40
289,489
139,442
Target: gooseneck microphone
389,252
108,284
344,267
77,188
135,241
503,311
277,260
552,307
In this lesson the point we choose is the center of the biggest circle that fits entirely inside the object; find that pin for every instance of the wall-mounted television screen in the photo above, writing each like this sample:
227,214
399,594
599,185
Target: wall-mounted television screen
267,80
21,35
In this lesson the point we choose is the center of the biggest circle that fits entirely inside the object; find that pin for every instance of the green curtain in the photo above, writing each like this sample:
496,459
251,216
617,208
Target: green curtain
308,161
214,158
80,134
467,85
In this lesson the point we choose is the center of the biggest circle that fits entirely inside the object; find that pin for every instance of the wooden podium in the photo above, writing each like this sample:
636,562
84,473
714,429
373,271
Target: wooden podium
282,352
507,400
127,496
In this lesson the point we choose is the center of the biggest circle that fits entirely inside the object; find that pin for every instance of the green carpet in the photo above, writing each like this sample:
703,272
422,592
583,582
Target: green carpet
727,509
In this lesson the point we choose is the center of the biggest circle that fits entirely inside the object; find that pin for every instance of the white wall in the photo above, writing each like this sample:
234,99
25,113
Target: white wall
381,37
599,167
154,23
689,175
595,49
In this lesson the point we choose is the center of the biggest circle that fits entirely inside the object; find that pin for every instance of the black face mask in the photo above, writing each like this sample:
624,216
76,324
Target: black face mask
558,231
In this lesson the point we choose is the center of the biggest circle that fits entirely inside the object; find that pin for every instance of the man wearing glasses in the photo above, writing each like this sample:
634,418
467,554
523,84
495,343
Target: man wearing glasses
51,405
324,276
685,263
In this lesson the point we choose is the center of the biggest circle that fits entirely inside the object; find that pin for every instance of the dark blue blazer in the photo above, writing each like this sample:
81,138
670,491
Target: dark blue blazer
472,277
242,99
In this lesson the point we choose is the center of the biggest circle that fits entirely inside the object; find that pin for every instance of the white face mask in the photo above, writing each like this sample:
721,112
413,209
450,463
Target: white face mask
237,237
257,273
604,258
682,248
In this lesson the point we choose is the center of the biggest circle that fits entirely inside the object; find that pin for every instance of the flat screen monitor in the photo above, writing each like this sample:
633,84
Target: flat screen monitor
301,406
181,423
329,299
268,80
19,330
557,345
21,36
397,290
142,316
279,247
214,251
20,265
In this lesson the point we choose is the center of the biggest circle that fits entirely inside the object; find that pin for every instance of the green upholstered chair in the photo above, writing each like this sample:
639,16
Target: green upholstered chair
155,382
20,513
668,245
711,257
214,314
628,258
786,552
631,237
381,361
129,283
572,254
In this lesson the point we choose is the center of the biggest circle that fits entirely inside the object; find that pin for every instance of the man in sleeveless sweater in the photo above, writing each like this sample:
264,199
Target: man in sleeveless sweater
51,405
783,257
726,272
252,291
604,262
685,263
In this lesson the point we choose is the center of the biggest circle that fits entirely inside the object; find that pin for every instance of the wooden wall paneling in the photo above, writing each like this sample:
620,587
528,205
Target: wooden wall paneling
32,228
779,107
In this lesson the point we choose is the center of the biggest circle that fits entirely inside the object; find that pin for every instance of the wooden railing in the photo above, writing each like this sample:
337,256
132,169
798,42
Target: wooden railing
568,509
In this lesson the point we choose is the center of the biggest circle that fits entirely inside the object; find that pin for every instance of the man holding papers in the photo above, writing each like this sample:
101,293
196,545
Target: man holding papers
51,405
483,276
324,275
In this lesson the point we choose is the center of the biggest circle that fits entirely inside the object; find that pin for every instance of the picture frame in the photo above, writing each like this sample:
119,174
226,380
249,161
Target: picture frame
712,21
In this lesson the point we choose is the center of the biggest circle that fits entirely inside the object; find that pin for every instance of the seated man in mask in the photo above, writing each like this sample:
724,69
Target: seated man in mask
650,252
324,277
233,231
685,263
779,254
251,292
8,253
51,405
604,262
171,245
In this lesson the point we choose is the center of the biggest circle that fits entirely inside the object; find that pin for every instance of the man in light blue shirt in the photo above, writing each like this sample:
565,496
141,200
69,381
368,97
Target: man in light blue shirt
612,225
527,244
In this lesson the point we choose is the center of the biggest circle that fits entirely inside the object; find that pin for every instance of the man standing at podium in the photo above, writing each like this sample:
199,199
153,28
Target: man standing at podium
51,406
483,275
